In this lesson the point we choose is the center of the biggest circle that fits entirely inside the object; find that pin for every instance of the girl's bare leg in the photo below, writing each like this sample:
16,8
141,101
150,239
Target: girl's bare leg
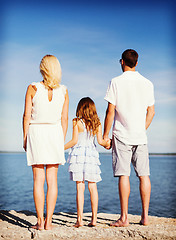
80,187
52,191
92,186
38,193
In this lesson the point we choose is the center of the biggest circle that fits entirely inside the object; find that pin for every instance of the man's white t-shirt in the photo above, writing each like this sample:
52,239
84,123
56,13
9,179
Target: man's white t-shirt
132,94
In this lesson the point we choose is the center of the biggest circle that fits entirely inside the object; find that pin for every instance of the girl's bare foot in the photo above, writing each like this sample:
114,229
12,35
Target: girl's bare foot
91,224
120,223
78,224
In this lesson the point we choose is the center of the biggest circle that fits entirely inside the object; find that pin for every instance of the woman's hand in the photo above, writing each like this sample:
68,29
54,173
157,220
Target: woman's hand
25,144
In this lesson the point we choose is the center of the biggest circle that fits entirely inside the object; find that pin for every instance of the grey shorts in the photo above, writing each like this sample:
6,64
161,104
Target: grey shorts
123,155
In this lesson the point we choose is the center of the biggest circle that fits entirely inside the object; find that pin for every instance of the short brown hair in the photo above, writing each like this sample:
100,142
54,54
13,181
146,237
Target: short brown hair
130,57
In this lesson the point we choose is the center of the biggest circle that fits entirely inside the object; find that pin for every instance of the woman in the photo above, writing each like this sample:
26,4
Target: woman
45,122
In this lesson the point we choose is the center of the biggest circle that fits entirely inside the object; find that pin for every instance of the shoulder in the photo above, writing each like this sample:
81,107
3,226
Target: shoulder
116,79
146,80
63,88
76,123
32,89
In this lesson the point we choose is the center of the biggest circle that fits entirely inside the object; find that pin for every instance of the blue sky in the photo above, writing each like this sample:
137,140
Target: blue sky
88,40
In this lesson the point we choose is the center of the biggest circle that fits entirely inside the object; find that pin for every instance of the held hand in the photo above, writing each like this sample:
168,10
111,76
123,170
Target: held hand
108,140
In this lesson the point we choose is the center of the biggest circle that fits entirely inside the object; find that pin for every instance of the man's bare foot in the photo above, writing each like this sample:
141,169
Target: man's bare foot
120,223
38,227
144,222
78,224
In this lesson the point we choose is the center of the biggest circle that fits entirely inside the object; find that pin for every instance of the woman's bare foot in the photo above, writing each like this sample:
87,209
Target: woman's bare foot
38,227
48,225
120,223
78,224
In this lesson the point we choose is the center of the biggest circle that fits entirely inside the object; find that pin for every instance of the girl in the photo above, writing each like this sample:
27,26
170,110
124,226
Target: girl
83,158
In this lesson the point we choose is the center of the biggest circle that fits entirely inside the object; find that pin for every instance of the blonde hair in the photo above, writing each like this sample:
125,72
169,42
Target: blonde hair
86,110
51,71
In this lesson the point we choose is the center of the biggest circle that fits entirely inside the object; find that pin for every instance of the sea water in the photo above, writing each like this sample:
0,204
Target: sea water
16,187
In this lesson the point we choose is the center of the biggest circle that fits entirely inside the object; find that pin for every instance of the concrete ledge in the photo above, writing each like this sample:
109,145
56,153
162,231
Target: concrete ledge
16,225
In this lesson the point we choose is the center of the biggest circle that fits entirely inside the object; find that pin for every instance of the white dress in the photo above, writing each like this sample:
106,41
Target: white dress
83,159
45,139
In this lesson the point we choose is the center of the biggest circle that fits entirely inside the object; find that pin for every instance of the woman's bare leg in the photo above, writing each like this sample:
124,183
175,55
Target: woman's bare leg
80,187
92,186
38,193
52,191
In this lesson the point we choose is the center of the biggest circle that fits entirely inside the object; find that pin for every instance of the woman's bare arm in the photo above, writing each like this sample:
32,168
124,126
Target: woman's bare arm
64,115
27,112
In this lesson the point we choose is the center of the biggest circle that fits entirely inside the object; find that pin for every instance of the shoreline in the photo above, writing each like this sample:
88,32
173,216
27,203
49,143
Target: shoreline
17,225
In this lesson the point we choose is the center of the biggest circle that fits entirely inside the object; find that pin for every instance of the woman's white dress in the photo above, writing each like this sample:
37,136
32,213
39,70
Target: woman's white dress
83,159
45,139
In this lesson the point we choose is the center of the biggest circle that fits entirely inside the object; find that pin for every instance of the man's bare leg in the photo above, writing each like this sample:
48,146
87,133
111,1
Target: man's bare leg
124,193
145,190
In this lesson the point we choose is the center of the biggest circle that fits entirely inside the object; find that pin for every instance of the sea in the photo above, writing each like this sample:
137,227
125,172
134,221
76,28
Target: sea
16,187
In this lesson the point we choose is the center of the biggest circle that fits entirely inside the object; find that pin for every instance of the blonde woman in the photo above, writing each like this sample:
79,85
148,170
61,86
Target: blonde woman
45,123
84,158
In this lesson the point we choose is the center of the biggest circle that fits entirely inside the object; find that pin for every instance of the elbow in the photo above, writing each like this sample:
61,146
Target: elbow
153,113
64,120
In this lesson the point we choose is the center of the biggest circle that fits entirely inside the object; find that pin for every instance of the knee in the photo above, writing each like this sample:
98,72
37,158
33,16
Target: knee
80,186
145,181
91,186
39,179
144,178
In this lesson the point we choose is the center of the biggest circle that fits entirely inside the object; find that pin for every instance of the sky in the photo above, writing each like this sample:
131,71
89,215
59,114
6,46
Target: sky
88,38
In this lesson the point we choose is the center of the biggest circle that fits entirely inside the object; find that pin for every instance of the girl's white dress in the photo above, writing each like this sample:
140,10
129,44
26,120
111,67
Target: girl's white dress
83,159
45,139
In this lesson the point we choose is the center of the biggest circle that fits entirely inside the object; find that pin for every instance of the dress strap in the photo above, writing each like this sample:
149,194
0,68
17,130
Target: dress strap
83,124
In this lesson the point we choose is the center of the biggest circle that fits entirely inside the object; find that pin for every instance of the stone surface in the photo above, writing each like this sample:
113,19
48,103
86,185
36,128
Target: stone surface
17,225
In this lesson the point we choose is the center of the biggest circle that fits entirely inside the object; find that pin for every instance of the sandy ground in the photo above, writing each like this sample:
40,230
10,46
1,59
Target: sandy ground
17,225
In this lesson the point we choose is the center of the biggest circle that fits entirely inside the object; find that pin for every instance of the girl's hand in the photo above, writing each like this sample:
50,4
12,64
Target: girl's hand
109,144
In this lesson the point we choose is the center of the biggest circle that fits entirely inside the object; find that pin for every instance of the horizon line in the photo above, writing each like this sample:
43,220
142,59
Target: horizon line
151,153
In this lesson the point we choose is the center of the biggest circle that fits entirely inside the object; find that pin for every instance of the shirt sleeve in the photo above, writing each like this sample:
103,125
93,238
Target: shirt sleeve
151,97
111,94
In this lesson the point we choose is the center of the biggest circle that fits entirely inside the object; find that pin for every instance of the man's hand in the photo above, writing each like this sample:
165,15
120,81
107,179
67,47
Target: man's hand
109,141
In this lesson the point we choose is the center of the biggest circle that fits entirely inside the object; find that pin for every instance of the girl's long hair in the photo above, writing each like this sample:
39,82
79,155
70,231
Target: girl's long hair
51,71
86,111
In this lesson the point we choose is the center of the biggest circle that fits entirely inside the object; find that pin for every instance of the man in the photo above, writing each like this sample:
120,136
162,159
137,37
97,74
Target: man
130,99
